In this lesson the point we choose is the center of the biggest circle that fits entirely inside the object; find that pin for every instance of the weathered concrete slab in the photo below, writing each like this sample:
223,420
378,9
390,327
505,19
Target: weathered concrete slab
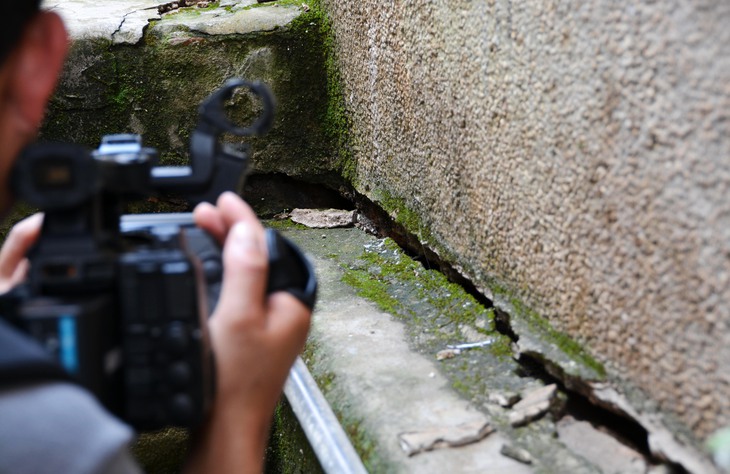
376,381
121,21
236,20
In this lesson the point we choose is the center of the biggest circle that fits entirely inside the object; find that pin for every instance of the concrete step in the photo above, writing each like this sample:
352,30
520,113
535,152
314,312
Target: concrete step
379,349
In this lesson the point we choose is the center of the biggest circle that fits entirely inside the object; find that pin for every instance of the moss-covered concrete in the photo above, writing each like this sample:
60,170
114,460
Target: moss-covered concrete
434,314
162,452
155,86
289,451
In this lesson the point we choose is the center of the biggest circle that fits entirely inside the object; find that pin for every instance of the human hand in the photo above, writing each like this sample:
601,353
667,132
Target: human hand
13,263
256,338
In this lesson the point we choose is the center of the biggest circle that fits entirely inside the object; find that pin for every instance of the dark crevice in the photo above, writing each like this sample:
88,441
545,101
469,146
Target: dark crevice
380,223
276,193
625,430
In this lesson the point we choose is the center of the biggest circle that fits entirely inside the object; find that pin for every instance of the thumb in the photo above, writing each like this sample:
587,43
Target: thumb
245,271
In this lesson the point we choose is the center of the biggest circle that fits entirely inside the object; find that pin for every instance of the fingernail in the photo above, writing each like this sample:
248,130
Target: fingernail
243,236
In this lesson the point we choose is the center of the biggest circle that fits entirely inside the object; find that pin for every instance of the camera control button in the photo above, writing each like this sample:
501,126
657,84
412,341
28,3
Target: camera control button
179,374
176,338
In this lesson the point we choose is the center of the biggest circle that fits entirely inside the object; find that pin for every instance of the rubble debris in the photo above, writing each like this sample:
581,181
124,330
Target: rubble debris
518,454
504,399
452,350
662,442
170,6
533,405
599,448
429,439
323,218
447,354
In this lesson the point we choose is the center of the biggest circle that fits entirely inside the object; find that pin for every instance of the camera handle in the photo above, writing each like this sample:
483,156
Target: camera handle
215,166
214,121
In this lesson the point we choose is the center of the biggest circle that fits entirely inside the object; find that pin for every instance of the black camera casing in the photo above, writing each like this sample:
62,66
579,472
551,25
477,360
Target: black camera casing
122,301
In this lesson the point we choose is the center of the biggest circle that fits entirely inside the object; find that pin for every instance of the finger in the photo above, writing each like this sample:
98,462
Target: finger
289,319
245,271
234,209
208,218
20,239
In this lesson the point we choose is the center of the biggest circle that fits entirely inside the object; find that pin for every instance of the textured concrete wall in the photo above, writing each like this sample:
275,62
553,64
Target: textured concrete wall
577,153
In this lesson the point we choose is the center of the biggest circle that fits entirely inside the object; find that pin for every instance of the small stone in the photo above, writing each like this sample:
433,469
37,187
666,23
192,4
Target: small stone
518,454
323,218
533,405
503,399
447,354
429,439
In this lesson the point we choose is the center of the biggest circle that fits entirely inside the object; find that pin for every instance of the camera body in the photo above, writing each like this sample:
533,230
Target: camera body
122,301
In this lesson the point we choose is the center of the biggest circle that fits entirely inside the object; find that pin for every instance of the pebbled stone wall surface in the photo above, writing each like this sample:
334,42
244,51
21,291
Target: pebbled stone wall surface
573,154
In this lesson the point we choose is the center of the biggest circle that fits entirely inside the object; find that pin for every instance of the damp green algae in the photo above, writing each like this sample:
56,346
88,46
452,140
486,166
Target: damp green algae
423,298
288,451
284,224
555,346
162,452
335,120
558,347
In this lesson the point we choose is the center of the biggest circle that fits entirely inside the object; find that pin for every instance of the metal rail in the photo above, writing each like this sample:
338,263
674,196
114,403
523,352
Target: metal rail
324,432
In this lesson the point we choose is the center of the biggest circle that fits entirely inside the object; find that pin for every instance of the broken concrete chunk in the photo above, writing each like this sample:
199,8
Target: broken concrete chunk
323,218
518,454
601,449
662,442
416,442
533,405
503,399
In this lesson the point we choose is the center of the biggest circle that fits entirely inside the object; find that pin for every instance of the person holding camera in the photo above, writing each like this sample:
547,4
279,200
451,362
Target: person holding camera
56,426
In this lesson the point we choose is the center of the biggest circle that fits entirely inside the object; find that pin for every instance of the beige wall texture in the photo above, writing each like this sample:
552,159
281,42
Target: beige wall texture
576,152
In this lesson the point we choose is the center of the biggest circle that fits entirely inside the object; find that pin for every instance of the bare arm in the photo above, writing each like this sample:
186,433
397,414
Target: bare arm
256,339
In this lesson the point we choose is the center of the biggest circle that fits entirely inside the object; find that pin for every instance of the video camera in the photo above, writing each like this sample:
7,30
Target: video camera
122,301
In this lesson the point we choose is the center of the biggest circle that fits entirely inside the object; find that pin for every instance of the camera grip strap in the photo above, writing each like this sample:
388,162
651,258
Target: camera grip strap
289,269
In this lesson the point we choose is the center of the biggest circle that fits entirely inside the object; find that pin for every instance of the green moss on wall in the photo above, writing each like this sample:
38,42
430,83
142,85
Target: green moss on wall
525,319
335,121
289,451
